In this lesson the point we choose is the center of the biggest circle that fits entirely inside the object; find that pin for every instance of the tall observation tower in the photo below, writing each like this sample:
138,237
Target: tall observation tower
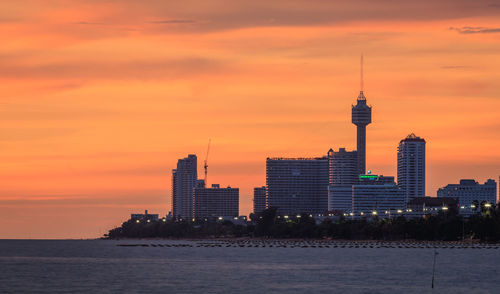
361,117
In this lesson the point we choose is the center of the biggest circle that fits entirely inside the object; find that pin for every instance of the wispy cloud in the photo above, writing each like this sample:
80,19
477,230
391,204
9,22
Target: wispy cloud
455,66
114,69
88,23
29,134
173,21
476,30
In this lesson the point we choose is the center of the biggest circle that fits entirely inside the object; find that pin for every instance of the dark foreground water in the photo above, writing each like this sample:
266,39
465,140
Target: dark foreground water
100,266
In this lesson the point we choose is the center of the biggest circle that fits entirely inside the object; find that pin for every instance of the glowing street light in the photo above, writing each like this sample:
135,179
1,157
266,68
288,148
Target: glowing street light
445,208
487,205
137,221
399,211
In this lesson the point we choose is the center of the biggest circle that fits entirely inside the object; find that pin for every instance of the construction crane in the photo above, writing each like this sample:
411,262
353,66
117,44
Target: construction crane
205,166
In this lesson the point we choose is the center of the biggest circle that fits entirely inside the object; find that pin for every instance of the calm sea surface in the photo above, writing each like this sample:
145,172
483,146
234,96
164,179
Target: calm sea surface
99,266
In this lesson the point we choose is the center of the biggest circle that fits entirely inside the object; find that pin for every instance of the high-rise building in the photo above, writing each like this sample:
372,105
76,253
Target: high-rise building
376,195
297,185
343,173
411,167
216,202
343,167
184,179
361,117
471,195
259,199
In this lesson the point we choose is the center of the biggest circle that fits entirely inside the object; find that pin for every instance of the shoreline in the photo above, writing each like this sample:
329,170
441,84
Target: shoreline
317,241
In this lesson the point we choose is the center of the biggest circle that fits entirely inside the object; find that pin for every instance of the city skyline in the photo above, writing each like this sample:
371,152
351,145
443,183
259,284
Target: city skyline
98,106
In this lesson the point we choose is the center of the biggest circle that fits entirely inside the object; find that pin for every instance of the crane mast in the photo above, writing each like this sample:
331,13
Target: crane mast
205,165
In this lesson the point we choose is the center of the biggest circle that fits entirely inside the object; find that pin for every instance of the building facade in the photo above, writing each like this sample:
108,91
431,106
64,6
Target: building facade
184,179
259,199
144,216
343,173
431,205
376,195
216,202
343,170
471,196
297,185
411,167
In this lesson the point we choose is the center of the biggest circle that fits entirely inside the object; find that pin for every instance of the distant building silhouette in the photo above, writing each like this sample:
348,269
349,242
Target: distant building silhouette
184,179
411,167
376,195
297,185
471,195
144,216
343,173
259,199
216,202
430,205
361,117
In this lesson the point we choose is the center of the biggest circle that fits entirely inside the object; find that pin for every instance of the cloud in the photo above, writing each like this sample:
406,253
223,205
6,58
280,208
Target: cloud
173,21
29,134
110,198
88,23
455,66
476,30
223,15
40,112
174,68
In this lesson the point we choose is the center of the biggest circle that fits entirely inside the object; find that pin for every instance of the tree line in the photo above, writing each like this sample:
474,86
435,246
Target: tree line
444,226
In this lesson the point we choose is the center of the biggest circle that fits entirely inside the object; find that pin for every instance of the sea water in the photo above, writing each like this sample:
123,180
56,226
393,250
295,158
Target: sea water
101,266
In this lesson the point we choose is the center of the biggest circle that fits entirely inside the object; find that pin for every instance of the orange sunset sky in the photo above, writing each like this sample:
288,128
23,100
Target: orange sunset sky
98,99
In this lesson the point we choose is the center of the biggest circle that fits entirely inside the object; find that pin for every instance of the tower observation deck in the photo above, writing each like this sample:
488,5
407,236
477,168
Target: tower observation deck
361,117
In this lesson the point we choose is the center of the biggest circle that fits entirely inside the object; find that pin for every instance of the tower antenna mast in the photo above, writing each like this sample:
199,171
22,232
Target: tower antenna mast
362,72
205,165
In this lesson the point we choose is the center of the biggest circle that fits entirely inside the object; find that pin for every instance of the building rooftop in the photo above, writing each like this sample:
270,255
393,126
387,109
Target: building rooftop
412,138
298,158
